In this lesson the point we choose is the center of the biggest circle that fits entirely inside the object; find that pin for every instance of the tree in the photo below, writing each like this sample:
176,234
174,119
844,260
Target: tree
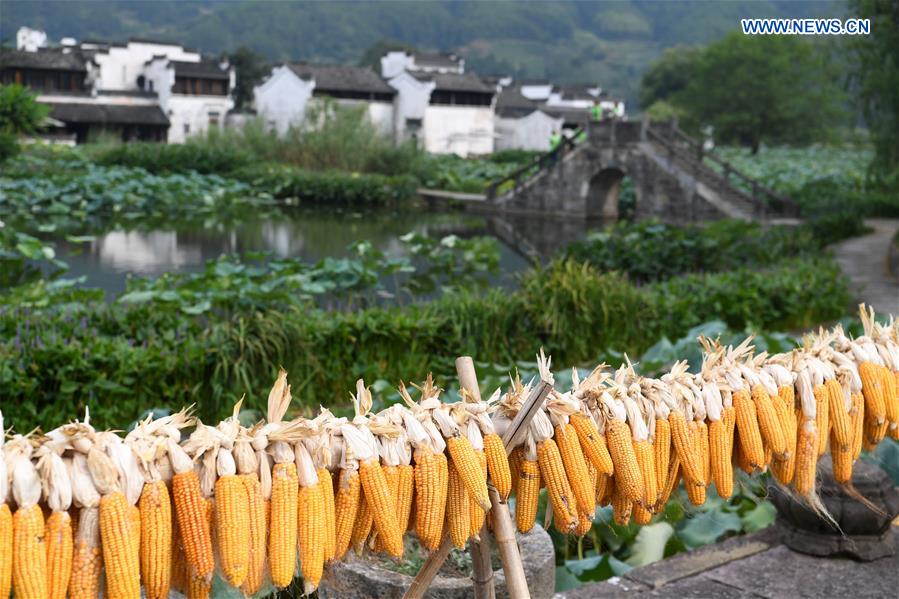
878,80
752,89
20,114
668,75
251,68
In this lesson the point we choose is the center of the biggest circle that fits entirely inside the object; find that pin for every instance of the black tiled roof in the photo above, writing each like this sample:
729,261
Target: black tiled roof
510,103
120,114
467,82
206,69
436,60
44,59
343,78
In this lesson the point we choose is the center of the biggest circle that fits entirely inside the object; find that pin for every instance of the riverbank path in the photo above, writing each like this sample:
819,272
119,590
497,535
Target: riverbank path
865,261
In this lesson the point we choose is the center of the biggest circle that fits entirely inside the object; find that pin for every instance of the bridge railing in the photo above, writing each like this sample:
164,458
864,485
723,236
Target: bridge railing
541,162
674,140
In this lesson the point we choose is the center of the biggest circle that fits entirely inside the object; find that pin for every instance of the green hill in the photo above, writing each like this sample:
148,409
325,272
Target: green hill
609,42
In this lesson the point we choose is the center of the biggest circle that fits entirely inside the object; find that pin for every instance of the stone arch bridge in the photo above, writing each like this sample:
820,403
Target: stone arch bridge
674,179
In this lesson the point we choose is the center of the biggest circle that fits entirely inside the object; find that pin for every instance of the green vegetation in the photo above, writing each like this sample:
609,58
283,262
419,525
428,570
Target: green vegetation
20,114
878,80
749,89
64,348
652,251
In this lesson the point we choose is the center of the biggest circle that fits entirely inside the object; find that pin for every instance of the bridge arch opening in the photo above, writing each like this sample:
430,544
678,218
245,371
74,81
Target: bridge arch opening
604,193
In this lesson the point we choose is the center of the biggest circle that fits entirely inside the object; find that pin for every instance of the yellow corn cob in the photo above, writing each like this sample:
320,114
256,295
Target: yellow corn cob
330,520
498,465
875,402
822,417
199,587
463,454
592,443
258,534
628,477
29,568
156,539
346,507
842,459
232,528
784,465
458,518
87,558
311,528
841,426
476,515
431,478
179,561
515,457
622,507
405,494
857,418
392,476
134,516
806,458
891,400
769,425
687,453
672,478
553,473
575,467
641,515
705,456
282,544
190,510
646,462
720,454
740,458
6,535
661,450
381,504
363,524
603,490
526,495
120,559
748,429
58,537
584,524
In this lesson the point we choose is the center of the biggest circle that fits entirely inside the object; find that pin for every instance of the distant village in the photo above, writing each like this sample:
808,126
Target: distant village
148,90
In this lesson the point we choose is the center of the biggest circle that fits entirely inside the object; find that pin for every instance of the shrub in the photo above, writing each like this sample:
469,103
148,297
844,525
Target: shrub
329,187
70,349
201,157
20,114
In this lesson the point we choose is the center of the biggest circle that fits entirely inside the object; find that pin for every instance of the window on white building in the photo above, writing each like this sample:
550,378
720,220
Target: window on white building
213,119
186,128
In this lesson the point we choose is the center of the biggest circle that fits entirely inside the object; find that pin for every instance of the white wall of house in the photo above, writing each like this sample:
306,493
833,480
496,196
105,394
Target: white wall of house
281,99
395,62
462,130
378,113
539,92
531,132
195,115
160,78
30,40
120,66
411,104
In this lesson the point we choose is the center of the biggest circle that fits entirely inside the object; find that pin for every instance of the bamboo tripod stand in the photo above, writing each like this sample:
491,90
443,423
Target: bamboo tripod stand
503,527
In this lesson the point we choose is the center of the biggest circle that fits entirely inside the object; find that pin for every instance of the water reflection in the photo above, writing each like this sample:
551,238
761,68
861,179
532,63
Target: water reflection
307,234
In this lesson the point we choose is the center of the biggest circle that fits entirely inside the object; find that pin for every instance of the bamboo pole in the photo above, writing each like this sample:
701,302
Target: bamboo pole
482,569
503,527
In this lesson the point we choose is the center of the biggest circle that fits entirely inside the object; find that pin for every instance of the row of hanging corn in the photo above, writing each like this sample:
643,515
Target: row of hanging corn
85,512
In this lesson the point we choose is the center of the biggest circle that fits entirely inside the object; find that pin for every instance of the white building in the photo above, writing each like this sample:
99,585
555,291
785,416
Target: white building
284,98
444,109
522,123
142,89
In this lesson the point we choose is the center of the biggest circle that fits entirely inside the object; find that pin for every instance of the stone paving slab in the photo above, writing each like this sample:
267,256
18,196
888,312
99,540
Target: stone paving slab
754,565
865,261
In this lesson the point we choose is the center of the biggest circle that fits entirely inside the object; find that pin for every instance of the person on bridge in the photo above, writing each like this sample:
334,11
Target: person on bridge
596,111
555,139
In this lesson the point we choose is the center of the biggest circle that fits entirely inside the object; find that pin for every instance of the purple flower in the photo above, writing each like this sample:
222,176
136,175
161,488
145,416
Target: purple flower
84,323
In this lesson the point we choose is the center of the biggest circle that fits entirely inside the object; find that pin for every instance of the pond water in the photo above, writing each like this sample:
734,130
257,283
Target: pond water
309,234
